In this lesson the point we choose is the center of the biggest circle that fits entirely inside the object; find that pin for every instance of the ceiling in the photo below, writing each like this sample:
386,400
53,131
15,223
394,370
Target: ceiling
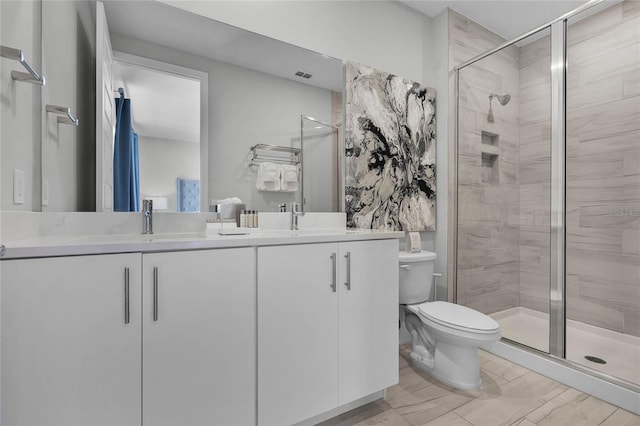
507,18
163,105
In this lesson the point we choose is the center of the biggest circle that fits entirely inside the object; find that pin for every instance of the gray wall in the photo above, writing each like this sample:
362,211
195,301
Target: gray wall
68,62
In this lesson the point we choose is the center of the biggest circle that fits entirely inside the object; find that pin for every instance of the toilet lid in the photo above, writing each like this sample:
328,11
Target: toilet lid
457,316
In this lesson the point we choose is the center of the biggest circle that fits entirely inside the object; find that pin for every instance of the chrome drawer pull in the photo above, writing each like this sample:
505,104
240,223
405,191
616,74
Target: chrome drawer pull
155,293
333,281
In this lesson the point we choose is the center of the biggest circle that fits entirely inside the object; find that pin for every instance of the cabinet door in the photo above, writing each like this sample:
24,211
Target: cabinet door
297,333
68,357
368,328
199,347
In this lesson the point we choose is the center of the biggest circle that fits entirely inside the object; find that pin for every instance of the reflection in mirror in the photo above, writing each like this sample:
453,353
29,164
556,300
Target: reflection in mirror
254,96
68,62
320,165
165,114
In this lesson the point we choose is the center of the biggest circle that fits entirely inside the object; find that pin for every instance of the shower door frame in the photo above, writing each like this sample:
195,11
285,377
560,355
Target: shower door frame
557,288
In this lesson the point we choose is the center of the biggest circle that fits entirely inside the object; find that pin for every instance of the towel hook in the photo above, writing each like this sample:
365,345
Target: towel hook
64,115
16,54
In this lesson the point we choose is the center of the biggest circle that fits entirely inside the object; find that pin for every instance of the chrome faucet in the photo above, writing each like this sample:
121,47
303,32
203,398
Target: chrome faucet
295,213
147,217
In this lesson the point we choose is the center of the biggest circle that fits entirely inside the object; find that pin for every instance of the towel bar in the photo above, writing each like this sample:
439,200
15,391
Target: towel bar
292,155
16,54
64,115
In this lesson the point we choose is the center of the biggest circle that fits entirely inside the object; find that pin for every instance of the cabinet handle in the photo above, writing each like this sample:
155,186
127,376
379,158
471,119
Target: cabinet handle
126,296
155,293
333,277
348,257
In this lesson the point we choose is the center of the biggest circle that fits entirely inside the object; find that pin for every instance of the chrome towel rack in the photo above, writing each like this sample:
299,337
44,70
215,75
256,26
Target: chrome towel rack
16,54
64,114
262,152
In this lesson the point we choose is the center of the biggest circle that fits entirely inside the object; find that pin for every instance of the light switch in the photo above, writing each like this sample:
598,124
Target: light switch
45,192
18,186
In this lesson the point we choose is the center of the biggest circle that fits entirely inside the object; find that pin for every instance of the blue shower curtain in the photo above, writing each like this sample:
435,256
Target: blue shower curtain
126,167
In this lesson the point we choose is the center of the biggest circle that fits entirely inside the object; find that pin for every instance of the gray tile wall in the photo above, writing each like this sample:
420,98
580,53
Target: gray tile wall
603,169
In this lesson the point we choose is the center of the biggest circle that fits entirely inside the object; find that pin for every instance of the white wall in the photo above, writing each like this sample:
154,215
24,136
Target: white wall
162,161
245,107
20,104
382,34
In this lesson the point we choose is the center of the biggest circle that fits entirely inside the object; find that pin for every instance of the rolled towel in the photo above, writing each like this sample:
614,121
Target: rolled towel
268,178
289,177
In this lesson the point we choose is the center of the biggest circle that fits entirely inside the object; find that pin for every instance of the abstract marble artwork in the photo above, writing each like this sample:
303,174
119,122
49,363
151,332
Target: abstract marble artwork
390,152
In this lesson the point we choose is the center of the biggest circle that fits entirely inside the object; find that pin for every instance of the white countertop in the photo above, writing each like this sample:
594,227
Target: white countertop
73,245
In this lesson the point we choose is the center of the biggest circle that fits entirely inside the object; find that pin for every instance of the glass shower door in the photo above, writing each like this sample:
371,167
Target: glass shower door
603,191
320,168
503,182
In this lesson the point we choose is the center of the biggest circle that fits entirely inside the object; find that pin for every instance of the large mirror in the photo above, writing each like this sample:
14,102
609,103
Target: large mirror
249,90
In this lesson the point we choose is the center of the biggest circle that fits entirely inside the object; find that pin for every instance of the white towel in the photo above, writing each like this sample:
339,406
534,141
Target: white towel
289,178
268,177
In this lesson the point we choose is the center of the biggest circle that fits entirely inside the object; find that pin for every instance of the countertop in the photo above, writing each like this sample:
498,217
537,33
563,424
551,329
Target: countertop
74,245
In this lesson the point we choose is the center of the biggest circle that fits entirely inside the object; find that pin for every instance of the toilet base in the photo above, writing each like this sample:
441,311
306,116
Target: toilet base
453,365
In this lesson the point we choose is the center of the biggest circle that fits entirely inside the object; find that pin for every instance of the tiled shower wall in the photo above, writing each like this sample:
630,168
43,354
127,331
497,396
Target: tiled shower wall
504,230
488,195
603,169
535,173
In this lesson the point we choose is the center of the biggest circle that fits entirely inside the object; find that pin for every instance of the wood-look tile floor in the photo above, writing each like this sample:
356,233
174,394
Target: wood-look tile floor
511,395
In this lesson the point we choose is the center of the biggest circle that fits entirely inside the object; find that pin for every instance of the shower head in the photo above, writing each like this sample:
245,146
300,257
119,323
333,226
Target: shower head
503,99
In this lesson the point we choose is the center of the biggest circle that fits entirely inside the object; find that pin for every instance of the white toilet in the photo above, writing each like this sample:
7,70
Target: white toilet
445,337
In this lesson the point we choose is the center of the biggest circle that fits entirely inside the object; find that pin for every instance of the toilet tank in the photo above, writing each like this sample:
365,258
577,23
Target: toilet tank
416,276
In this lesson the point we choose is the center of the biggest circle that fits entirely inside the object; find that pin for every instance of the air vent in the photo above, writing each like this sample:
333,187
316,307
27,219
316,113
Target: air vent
303,74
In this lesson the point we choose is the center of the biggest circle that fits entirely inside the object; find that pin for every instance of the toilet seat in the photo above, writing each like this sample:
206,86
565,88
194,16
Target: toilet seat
458,317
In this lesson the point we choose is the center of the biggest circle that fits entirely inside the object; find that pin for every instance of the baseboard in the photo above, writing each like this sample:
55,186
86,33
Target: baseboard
342,409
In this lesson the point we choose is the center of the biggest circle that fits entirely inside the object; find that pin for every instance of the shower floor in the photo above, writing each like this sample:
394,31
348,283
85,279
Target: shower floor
620,351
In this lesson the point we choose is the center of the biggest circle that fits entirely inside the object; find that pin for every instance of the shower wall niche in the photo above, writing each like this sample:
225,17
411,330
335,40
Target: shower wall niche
490,158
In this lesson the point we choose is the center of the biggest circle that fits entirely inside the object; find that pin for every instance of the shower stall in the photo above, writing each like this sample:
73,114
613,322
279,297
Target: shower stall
548,191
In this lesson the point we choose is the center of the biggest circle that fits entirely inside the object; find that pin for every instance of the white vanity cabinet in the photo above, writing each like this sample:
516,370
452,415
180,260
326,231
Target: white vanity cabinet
327,326
71,343
124,339
199,337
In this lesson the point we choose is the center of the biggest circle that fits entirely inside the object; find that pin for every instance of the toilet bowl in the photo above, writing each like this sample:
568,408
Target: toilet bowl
444,336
